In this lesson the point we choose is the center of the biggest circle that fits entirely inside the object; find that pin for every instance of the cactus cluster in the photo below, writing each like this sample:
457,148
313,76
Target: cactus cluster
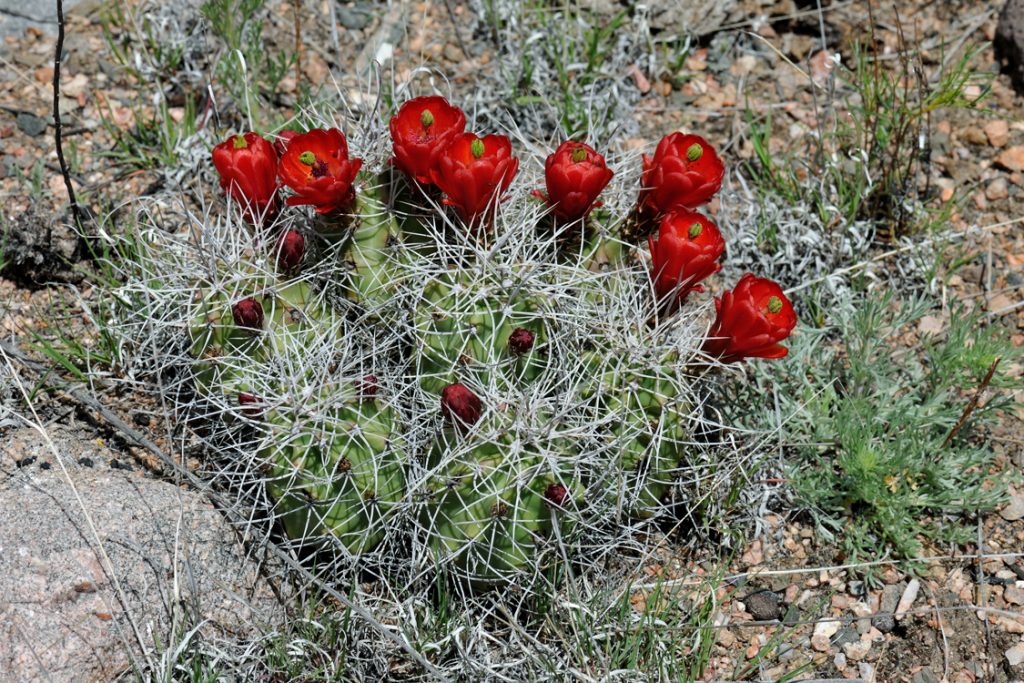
440,362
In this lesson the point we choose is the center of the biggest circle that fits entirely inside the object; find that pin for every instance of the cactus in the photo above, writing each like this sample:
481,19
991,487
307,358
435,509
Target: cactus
481,386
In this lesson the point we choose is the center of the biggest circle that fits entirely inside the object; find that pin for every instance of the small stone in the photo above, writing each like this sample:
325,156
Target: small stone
726,638
1012,158
858,650
930,324
907,599
998,133
975,135
1014,595
30,124
885,621
924,676
1014,510
763,605
453,53
755,554
845,636
76,86
352,18
997,190
1015,655
821,639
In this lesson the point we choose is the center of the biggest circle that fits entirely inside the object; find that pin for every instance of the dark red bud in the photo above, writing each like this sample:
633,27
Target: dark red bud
252,405
248,313
291,249
556,494
520,341
459,405
368,387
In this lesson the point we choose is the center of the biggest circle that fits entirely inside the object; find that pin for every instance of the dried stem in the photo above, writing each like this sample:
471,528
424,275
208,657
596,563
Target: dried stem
75,209
972,404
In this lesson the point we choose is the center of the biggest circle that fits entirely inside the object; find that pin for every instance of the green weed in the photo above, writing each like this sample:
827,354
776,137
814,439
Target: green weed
870,429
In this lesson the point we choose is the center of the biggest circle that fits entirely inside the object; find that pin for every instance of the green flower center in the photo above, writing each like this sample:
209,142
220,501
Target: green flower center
239,142
427,119
774,304
695,230
579,154
477,148
694,152
308,158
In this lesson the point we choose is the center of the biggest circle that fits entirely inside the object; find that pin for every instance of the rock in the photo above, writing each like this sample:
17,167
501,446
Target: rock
1014,595
907,599
66,614
885,620
685,16
974,135
764,605
930,324
845,636
858,650
925,676
1014,510
1011,158
1015,655
354,18
40,248
1009,42
30,124
998,132
821,639
997,190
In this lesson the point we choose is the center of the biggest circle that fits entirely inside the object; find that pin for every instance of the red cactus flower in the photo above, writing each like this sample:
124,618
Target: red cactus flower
317,167
420,131
248,313
291,249
752,319
460,406
247,166
684,173
251,404
574,175
684,251
473,172
520,341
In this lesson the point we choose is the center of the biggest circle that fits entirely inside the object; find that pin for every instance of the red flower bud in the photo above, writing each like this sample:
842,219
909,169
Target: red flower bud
291,249
247,166
252,405
684,173
752,319
420,131
281,143
316,166
574,175
368,387
520,341
556,494
460,406
248,313
684,251
474,172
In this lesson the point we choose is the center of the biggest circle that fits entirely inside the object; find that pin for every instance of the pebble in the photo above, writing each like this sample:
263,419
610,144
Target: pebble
1014,510
907,600
975,136
353,19
884,621
30,124
1012,158
1014,595
997,189
1015,655
924,676
821,639
763,605
998,133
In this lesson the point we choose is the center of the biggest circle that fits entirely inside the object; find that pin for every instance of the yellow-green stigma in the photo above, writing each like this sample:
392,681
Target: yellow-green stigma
308,158
239,142
579,154
694,152
695,230
774,304
477,148
427,118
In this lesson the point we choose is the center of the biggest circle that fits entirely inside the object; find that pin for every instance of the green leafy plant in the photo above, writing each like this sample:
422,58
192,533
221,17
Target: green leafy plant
884,444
